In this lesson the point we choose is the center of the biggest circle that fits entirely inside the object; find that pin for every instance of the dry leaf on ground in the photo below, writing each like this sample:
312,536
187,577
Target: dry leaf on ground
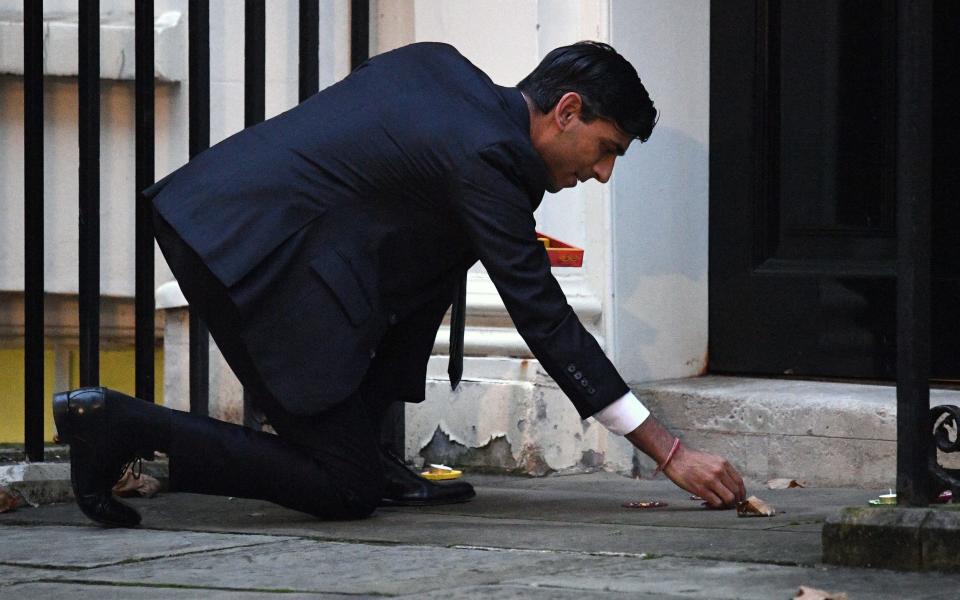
782,484
129,485
809,593
8,501
755,507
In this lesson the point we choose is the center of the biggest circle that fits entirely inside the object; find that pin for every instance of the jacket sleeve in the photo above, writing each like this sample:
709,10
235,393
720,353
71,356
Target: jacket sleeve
497,215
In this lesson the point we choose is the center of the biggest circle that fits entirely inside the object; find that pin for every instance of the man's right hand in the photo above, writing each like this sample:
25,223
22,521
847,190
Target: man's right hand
709,476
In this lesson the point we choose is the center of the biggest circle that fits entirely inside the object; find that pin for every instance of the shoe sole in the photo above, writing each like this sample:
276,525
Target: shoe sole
391,502
61,412
61,409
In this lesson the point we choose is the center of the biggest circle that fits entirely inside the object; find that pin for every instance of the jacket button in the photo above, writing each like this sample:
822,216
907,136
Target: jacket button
373,353
578,375
571,368
591,390
584,382
392,318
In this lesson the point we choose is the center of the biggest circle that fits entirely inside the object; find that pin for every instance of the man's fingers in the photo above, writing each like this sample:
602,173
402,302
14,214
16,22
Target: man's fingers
741,488
729,486
726,495
734,483
711,499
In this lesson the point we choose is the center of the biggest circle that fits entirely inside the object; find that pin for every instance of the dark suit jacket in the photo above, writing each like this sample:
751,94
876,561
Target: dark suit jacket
387,186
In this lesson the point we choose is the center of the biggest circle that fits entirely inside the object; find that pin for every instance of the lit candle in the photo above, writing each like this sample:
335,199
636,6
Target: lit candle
889,498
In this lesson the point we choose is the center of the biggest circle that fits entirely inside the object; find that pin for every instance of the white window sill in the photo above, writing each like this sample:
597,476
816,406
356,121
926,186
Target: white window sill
61,34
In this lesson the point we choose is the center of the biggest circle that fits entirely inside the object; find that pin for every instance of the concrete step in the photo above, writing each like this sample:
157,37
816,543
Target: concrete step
826,433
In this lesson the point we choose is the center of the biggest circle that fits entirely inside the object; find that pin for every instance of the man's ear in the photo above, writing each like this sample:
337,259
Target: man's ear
567,109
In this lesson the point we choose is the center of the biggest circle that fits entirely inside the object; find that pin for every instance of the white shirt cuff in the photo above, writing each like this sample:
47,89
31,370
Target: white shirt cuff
624,415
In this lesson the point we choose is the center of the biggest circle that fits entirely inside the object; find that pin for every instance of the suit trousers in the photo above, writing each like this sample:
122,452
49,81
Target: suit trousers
326,464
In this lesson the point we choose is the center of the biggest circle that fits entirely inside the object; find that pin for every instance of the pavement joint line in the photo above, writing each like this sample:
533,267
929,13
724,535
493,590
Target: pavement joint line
143,559
43,567
177,586
643,555
794,524
33,523
599,553
745,561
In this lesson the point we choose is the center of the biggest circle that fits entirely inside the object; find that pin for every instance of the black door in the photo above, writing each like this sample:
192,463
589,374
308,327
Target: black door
802,208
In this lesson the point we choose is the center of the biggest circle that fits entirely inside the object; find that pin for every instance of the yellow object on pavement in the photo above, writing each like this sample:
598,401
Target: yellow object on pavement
440,473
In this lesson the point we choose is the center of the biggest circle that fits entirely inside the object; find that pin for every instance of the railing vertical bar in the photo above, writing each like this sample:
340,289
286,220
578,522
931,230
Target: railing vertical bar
359,32
198,32
309,79
254,62
89,191
33,228
913,189
254,102
145,153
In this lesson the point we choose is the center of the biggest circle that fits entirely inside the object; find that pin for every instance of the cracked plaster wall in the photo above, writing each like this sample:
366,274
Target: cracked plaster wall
508,405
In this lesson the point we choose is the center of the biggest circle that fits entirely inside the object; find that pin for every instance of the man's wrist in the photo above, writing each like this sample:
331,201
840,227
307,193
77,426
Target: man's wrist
652,439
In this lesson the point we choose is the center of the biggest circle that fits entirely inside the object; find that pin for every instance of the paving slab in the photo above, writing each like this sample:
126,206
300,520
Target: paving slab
564,532
84,591
89,547
581,513
598,498
531,592
555,537
331,567
724,580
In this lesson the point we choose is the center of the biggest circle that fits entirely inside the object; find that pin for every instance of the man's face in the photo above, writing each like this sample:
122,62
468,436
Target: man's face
582,150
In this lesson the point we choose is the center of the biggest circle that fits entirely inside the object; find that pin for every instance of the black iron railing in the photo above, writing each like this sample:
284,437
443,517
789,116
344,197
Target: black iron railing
33,227
145,306
914,172
198,33
89,184
88,80
254,100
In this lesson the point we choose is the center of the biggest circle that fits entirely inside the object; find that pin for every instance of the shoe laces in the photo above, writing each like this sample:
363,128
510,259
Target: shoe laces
135,465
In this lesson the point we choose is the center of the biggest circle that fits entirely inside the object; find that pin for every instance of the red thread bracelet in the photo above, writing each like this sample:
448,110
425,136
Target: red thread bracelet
673,450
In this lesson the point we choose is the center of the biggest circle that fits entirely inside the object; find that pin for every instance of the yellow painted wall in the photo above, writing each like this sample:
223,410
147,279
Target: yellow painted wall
116,371
11,395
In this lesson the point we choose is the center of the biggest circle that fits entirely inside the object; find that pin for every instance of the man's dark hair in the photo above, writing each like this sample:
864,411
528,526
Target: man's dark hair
607,83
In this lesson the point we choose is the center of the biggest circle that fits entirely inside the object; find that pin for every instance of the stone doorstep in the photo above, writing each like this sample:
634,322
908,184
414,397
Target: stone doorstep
47,482
905,539
827,433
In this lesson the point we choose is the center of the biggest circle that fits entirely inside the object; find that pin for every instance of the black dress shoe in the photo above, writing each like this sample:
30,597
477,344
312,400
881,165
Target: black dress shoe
98,453
406,488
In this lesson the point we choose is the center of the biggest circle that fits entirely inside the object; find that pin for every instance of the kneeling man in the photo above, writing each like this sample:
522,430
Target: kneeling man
323,248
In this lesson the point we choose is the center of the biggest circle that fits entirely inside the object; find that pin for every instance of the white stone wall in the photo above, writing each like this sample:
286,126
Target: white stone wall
659,217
